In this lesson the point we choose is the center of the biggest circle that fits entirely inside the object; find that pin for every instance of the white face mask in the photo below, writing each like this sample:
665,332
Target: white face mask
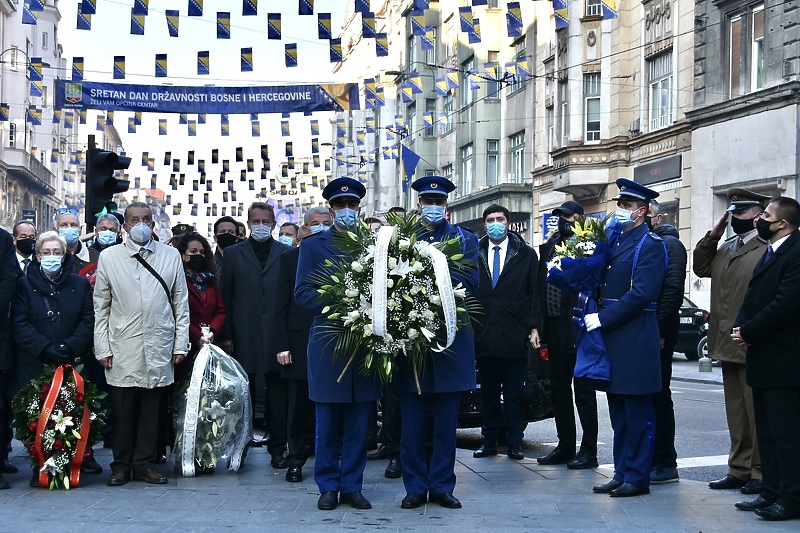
141,233
260,232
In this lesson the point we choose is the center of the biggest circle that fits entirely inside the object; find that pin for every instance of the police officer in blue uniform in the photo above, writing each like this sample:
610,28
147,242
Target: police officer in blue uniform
344,406
446,376
627,319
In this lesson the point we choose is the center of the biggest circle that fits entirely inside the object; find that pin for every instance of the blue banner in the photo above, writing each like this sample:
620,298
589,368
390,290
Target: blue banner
199,99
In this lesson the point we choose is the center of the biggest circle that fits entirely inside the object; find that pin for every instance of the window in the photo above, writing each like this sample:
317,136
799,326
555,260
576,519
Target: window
746,51
563,100
660,69
591,95
757,49
12,134
517,142
493,87
45,40
411,112
43,157
467,94
430,172
594,8
14,58
412,50
467,169
449,38
430,55
551,129
44,95
519,53
448,112
492,161
447,171
493,4
430,107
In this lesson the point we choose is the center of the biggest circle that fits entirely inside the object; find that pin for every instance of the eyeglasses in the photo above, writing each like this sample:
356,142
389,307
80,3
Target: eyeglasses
67,210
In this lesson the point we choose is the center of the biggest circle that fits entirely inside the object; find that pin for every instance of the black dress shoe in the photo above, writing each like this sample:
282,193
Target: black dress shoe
356,500
582,461
9,467
116,479
626,490
754,486
91,466
393,469
485,450
728,482
515,452
412,500
377,455
446,500
294,474
608,487
278,461
328,501
777,511
752,505
4,483
559,456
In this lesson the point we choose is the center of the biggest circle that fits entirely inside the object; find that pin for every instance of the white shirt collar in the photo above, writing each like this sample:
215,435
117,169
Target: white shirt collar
775,245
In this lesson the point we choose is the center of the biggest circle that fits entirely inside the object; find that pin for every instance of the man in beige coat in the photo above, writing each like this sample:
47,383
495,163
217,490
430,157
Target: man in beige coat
730,268
141,331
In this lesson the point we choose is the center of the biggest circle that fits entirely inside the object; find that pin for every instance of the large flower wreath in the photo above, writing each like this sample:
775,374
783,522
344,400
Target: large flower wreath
57,416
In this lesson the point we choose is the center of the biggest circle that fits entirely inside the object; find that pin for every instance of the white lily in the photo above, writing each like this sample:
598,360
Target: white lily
215,411
402,268
50,466
427,333
61,421
352,316
459,291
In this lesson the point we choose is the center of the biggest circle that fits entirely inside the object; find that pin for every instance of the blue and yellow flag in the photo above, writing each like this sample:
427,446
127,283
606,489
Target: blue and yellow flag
417,22
285,128
28,16
251,166
201,118
247,59
421,4
56,115
77,68
335,50
109,118
183,118
82,116
368,25
609,9
225,130
249,8
145,158
35,69
243,175
324,26
255,129
37,88
523,70
315,146
161,65
195,8
167,158
408,162
54,155
475,35
34,115
465,17
305,7
315,160
137,23
84,20
314,127
162,126
427,119
289,150
226,165
273,25
290,55
201,166
190,158
380,99
428,38
191,128
176,165
173,16
141,7
415,79
223,25
101,124
119,67
4,112
452,79
131,125
362,6
381,44
406,93
264,152
137,118
561,13
239,154
512,29
511,68
215,156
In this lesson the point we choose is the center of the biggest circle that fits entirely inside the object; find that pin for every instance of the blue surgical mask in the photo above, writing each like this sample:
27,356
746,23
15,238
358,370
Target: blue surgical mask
285,239
346,217
496,230
260,232
433,214
317,228
71,235
623,217
107,238
51,264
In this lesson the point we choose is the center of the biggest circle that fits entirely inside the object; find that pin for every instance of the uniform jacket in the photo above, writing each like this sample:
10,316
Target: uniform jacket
511,308
730,271
8,284
323,370
292,322
630,333
769,319
671,298
248,291
454,369
134,321
69,298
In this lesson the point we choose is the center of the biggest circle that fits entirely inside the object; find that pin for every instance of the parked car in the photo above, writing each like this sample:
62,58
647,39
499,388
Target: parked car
693,327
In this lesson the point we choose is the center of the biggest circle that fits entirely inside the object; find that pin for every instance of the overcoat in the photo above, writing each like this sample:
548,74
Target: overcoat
292,322
8,284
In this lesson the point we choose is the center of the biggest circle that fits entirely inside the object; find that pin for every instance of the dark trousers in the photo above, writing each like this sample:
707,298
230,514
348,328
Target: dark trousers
251,384
347,475
440,477
6,413
502,377
391,426
632,421
664,454
563,354
777,414
276,409
300,421
135,436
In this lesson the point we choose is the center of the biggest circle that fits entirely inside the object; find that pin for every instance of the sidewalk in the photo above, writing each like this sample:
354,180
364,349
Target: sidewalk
498,494
683,370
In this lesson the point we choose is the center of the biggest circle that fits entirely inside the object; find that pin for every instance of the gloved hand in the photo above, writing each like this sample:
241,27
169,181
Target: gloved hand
65,350
50,354
592,321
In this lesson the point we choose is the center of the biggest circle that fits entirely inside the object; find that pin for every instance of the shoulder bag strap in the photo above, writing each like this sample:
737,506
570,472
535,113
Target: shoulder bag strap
155,274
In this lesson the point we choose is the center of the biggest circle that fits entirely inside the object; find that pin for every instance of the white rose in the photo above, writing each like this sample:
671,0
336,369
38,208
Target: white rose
392,262
389,283
356,266
414,290
412,334
404,244
351,293
434,299
367,330
418,267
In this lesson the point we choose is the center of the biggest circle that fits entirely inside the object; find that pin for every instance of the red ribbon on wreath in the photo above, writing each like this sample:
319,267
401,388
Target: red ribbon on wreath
47,410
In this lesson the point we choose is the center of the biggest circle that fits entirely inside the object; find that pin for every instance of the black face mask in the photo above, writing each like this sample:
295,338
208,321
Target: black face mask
763,229
226,239
26,246
565,228
197,262
649,222
741,225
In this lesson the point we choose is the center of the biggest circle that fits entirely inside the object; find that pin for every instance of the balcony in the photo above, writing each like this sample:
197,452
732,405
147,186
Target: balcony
23,167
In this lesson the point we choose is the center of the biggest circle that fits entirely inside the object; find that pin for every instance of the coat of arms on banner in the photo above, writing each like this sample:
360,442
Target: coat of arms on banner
73,92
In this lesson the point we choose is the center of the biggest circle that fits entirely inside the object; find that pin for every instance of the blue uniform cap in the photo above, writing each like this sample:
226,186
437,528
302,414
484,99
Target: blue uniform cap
344,187
433,186
630,190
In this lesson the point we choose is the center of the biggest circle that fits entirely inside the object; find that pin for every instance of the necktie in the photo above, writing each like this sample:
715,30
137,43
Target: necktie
770,254
740,243
496,266
25,263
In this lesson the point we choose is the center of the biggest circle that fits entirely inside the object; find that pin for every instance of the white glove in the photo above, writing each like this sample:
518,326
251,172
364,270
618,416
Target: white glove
592,321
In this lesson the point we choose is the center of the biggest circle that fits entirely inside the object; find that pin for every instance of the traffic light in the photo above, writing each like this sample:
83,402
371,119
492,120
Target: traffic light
101,184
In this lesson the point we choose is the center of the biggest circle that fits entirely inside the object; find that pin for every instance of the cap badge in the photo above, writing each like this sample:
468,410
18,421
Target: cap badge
434,185
344,188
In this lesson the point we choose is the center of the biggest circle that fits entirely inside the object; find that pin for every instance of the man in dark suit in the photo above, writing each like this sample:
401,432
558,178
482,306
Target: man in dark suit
627,319
509,295
248,290
342,406
9,271
767,326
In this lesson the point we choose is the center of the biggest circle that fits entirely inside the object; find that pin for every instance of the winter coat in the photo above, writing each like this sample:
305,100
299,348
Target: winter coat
511,309
730,271
671,299
292,322
135,322
205,307
8,284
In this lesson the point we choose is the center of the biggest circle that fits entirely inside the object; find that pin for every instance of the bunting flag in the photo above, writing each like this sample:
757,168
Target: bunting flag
395,152
406,93
251,185
249,8
190,158
201,118
264,152
141,7
415,80
223,118
84,20
305,7
422,4
109,118
490,71
27,14
609,9
82,117
399,123
137,183
153,181
131,125
247,59
194,210
215,156
267,164
362,6
370,124
315,160
335,50
560,11
290,55
474,81
243,175
512,29
284,128
137,117
34,115
101,124
162,126
289,150
442,121
201,166
145,158
54,155
314,146
314,127
77,68
191,128
255,129
523,70
381,44
239,154
183,118
428,39
452,79
427,119
273,25
35,69
167,158
465,16
475,35
417,22
511,68
68,120
137,23
37,89
361,137
176,165
380,99
173,16
225,130
195,8
56,115
369,88
251,166
161,65
119,67
226,165
514,14
441,87
476,3
367,25
324,26
340,127
223,25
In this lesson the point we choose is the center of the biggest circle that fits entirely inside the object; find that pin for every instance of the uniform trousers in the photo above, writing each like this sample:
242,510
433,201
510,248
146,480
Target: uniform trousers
418,477
347,475
391,424
300,421
135,436
744,460
632,421
664,454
